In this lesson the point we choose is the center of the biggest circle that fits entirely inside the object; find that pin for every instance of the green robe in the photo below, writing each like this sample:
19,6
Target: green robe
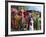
37,23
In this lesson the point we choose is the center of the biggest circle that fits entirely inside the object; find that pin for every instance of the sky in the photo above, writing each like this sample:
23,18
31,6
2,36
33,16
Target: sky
36,8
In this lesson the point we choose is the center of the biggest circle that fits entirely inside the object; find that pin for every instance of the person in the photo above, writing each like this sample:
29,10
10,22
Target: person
31,21
14,18
37,22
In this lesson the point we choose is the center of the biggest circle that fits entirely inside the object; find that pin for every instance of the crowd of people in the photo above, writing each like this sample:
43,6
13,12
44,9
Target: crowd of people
23,20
